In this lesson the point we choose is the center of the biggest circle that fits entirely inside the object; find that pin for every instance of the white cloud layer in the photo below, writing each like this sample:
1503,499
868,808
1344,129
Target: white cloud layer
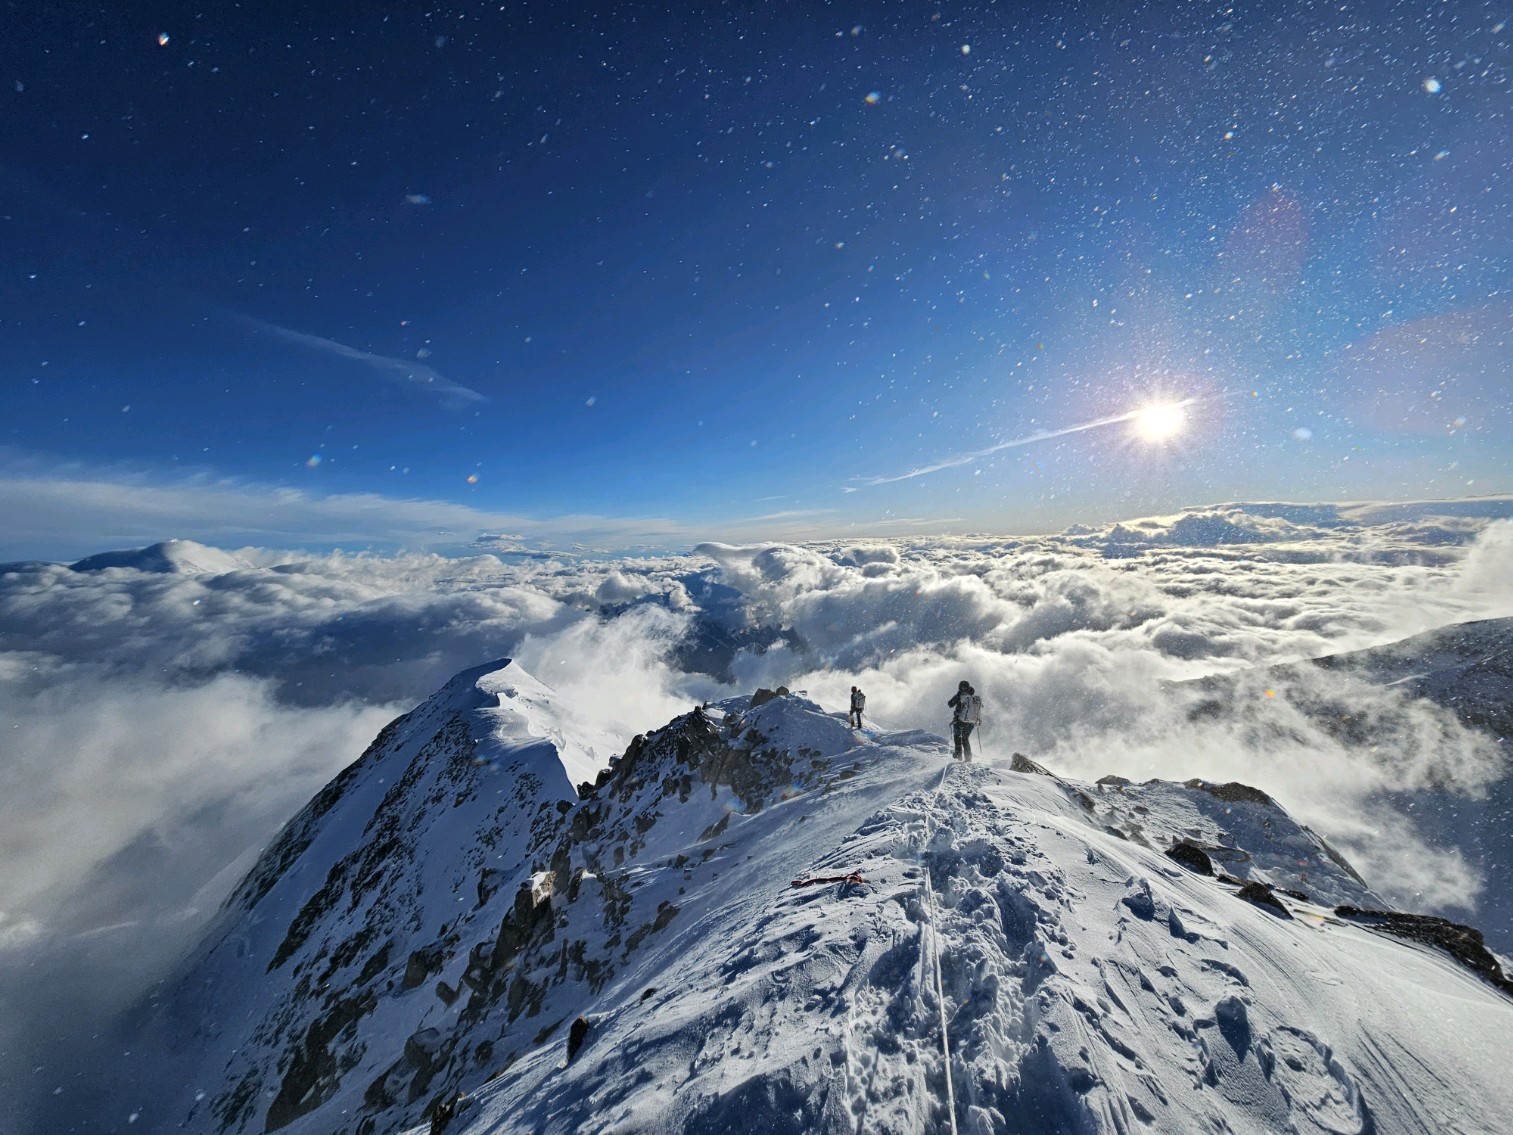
161,723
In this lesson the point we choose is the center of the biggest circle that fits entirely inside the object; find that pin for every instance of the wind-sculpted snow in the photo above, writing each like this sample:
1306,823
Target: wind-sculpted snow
447,939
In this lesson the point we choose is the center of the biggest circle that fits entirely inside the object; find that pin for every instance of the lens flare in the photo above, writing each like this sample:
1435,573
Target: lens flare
1160,422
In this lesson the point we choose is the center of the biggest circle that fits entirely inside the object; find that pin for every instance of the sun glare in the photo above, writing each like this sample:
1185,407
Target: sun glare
1160,422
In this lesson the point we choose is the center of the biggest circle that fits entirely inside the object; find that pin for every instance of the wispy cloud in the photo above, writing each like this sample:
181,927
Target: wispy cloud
83,511
406,372
911,522
1015,443
794,513
63,511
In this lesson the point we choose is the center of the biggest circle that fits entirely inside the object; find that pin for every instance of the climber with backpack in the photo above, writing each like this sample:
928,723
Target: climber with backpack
858,703
966,715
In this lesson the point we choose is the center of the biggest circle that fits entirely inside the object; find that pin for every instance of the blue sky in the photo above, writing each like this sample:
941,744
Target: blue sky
376,276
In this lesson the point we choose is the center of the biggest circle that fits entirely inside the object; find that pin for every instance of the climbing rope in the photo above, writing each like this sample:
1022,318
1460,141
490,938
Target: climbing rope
940,993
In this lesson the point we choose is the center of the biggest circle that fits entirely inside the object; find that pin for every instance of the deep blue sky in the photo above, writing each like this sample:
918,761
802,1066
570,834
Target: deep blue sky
652,274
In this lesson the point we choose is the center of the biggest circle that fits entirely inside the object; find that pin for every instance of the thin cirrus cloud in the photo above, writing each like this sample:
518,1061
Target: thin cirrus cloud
1014,443
404,372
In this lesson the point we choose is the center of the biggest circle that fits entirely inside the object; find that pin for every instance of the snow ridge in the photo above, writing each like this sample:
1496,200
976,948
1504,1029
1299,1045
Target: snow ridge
447,939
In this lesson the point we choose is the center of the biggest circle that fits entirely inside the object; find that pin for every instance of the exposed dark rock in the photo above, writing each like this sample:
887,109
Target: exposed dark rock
389,1087
1463,943
715,829
383,847
1022,763
489,881
576,1035
421,965
1191,856
762,697
476,974
546,1033
315,1070
1112,781
375,965
530,922
444,1110
1260,895
1233,792
618,766
666,912
421,1048
577,851
235,1106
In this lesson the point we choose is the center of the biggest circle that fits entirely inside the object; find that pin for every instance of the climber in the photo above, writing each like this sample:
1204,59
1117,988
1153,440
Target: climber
966,714
858,703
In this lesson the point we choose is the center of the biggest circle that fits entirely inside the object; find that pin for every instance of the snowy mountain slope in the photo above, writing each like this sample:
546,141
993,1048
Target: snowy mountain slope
442,922
174,557
1404,697
1465,667
1090,983
355,899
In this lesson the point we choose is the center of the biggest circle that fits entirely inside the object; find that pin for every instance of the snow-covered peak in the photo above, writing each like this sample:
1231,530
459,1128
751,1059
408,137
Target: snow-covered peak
785,721
179,557
358,899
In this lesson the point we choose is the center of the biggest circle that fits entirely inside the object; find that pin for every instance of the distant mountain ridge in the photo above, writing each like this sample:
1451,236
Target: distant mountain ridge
1464,669
176,557
448,936
1416,525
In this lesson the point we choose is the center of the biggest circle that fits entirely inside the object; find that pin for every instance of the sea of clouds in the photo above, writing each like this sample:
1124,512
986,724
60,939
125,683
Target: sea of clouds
164,715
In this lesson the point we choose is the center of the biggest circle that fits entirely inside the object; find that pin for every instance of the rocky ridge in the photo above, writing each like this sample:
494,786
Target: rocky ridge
450,937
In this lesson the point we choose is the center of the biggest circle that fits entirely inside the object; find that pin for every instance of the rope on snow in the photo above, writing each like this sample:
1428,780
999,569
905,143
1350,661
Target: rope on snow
940,993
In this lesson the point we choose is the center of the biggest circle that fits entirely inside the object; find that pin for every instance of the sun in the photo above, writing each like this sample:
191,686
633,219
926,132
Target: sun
1160,422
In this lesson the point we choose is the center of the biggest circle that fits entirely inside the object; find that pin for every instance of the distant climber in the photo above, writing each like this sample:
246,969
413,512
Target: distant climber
966,715
858,703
